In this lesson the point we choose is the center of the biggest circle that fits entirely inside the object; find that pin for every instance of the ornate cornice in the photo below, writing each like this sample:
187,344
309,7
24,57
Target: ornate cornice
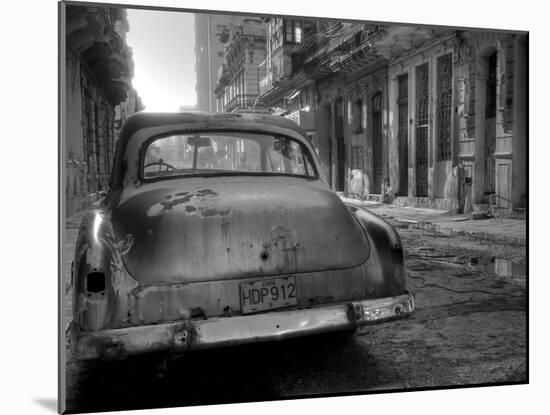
95,35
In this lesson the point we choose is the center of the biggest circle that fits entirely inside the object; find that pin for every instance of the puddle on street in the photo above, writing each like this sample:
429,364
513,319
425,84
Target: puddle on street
503,267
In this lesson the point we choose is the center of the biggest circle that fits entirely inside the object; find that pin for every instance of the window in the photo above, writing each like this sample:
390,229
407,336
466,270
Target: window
297,34
219,153
293,31
444,105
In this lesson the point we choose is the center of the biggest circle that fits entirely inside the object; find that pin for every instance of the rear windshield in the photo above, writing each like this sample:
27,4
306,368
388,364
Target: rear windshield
223,153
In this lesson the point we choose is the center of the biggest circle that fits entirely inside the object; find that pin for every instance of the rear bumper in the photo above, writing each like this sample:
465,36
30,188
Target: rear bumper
187,335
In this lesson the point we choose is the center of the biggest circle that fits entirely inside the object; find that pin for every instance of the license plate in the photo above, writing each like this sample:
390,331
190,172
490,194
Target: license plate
268,294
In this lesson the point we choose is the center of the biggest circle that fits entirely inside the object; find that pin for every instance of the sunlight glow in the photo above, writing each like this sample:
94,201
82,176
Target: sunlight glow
164,58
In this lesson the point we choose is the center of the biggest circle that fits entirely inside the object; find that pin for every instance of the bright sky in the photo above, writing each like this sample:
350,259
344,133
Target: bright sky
163,49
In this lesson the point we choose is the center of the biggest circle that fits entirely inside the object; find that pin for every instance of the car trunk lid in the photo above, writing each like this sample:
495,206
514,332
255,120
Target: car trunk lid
219,228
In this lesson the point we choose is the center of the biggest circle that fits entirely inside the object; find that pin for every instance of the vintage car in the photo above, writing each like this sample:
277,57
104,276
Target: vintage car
218,230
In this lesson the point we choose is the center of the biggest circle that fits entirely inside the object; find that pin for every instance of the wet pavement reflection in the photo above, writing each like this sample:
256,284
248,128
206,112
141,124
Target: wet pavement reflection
502,267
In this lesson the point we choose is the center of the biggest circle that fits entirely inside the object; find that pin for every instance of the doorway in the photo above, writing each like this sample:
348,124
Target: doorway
403,133
422,120
377,156
340,144
490,125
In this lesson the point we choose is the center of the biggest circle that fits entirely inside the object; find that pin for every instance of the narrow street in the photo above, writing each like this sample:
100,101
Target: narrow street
469,328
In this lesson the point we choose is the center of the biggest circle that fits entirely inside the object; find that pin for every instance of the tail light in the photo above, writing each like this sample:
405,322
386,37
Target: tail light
95,282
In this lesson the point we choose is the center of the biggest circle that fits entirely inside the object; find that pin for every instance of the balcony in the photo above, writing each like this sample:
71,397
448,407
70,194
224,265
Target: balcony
266,81
401,39
353,36
91,35
241,101
253,28
346,33
223,74
224,35
356,48
281,65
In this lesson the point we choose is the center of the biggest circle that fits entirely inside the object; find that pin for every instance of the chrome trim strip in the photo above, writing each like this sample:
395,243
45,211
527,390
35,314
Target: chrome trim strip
188,335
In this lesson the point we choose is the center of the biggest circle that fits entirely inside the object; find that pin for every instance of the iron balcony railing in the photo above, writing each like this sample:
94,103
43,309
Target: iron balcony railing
266,76
355,35
223,72
241,101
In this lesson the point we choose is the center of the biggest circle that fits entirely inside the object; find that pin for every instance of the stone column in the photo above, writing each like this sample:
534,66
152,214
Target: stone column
412,131
393,131
432,131
478,181
519,143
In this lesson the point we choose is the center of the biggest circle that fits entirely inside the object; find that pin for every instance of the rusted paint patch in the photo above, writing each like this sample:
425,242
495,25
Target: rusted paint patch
159,208
284,238
125,245
215,212
189,203
206,192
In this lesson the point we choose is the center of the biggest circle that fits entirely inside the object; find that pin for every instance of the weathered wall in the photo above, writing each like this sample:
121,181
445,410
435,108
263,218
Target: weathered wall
328,91
457,64
254,54
90,140
209,55
442,174
444,180
519,184
76,193
365,89
99,69
509,154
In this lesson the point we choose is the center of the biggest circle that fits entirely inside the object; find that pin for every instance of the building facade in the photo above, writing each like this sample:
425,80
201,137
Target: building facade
409,115
238,80
209,55
327,79
98,97
457,115
492,125
423,123
413,115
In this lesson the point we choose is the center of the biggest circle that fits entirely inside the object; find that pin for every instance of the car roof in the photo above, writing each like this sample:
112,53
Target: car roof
151,119
133,134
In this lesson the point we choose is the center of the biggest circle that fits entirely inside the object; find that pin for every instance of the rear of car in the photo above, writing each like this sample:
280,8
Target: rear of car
221,231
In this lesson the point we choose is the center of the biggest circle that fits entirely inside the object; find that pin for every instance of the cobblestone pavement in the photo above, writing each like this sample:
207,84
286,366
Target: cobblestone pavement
503,229
469,328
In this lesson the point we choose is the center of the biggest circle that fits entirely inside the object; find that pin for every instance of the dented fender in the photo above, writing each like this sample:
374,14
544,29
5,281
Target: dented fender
99,273
386,244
